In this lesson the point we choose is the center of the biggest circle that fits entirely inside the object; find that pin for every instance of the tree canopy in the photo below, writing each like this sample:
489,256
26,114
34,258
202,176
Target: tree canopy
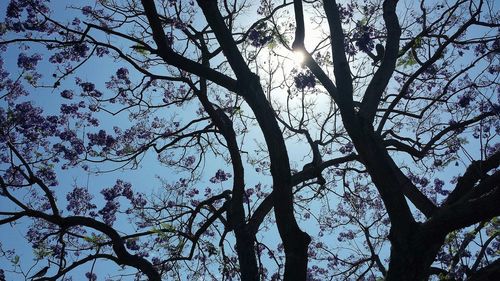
249,140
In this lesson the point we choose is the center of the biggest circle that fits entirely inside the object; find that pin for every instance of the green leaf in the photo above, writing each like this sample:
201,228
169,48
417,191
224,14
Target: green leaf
94,239
42,253
128,149
167,227
418,42
30,79
452,236
407,60
140,50
15,260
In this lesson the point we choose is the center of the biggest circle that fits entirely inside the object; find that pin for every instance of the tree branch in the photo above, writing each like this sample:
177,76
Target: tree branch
381,78
171,57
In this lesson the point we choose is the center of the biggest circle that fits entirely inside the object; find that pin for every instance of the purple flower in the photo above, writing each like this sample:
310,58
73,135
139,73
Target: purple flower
438,187
113,192
102,139
87,87
67,94
95,94
91,276
122,74
346,148
109,212
70,109
305,80
138,202
87,10
344,236
48,176
192,192
170,38
13,11
259,36
132,244
465,100
363,37
127,191
220,176
189,161
424,182
28,62
2,275
79,201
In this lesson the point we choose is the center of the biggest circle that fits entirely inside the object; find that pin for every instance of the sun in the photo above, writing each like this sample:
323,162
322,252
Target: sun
299,57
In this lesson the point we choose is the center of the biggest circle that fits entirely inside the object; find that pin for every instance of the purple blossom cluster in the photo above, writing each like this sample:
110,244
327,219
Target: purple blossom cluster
96,14
363,37
138,202
316,273
346,11
27,62
346,235
305,80
482,130
25,15
465,100
4,74
249,192
47,175
27,121
438,187
79,201
491,149
264,7
74,53
27,126
192,192
161,265
37,233
189,161
119,189
259,192
347,148
102,139
453,146
67,94
132,244
112,195
122,74
220,176
121,84
260,36
109,211
422,181
90,90
71,146
91,276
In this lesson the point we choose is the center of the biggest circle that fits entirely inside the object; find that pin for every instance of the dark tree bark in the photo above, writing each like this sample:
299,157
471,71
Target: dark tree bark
295,241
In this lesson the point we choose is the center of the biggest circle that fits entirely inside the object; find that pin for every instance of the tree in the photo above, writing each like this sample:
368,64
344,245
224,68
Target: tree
376,157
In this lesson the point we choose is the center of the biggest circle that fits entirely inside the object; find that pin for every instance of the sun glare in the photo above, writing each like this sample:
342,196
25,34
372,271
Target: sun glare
298,57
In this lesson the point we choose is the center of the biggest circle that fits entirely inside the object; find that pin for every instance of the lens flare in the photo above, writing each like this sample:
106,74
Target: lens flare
299,57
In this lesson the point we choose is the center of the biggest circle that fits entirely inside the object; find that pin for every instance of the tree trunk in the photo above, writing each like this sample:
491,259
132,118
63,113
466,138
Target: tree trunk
411,259
295,241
